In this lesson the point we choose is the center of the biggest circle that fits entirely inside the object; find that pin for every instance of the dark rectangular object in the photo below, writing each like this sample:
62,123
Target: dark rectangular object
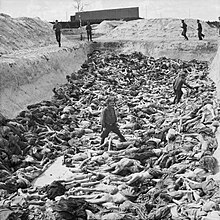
110,14
72,18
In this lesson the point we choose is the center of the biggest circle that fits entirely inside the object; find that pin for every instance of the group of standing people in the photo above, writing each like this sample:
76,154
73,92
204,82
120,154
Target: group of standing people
199,29
57,28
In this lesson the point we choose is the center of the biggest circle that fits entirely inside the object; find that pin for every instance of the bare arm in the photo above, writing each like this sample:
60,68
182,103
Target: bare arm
102,118
185,83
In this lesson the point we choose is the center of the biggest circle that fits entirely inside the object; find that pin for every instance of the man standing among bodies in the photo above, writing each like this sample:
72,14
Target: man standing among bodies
109,121
178,83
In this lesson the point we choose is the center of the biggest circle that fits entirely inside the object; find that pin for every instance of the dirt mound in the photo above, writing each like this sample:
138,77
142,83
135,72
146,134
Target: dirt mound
38,62
107,26
31,62
166,29
162,37
23,33
30,77
215,72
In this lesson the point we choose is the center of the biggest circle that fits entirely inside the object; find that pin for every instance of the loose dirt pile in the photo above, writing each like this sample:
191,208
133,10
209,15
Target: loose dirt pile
165,29
106,26
31,62
215,72
162,37
24,33
165,169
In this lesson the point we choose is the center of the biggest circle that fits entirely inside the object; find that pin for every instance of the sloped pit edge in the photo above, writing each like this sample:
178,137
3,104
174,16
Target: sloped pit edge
30,77
204,51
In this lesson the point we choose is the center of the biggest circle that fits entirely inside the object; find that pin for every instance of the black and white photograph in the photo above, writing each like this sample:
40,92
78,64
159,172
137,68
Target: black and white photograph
109,109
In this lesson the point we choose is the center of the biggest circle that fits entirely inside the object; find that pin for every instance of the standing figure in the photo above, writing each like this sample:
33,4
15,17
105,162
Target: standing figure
89,31
177,86
200,34
184,27
218,26
57,28
109,121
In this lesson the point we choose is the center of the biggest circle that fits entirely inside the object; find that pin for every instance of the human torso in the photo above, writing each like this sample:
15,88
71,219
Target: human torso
178,83
184,26
199,27
110,116
88,28
57,27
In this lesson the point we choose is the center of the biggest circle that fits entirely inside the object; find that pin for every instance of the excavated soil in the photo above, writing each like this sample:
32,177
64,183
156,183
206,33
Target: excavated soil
31,68
32,64
29,77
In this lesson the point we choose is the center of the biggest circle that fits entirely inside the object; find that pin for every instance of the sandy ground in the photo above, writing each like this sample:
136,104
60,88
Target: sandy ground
24,33
29,76
162,37
215,70
32,64
167,29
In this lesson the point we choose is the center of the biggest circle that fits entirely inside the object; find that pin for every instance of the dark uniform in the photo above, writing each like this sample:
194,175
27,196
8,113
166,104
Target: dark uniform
184,27
89,31
200,34
57,28
109,122
177,87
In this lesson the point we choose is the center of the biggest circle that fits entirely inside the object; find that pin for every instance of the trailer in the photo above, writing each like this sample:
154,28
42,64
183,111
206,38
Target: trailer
109,14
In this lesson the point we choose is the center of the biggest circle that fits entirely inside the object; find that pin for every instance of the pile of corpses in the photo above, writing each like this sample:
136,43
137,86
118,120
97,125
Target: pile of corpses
164,169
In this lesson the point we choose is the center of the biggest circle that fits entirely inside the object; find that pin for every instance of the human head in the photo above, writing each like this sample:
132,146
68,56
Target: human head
110,101
56,21
182,74
198,21
182,21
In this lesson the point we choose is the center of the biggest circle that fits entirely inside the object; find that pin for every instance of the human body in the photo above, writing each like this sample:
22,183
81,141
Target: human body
177,86
109,122
57,28
200,34
89,31
184,27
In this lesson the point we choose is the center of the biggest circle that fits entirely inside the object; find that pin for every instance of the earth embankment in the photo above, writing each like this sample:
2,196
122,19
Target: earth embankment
205,50
32,64
215,71
29,77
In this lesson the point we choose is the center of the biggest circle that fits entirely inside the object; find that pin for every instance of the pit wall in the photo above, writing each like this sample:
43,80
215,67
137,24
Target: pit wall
215,71
215,76
29,77
185,50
